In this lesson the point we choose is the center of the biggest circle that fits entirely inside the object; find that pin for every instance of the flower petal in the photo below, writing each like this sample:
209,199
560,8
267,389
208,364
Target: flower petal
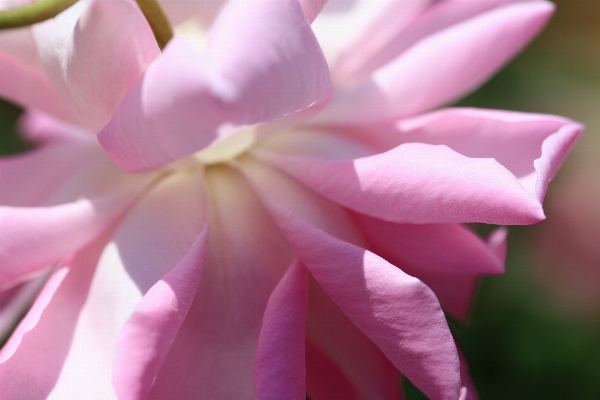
531,146
247,257
162,245
29,179
280,368
111,299
312,8
342,363
33,238
31,361
397,312
27,86
187,100
15,301
441,68
398,27
110,47
448,249
418,183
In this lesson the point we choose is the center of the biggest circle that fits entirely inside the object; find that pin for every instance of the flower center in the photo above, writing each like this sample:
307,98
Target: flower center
228,148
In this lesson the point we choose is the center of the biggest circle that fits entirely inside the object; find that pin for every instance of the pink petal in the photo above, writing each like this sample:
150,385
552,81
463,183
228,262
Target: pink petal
325,381
42,128
341,21
110,300
148,334
213,355
342,363
397,312
15,301
186,100
418,183
431,248
161,245
441,68
27,86
52,37
401,25
446,257
31,361
110,47
312,8
33,238
29,179
280,369
531,146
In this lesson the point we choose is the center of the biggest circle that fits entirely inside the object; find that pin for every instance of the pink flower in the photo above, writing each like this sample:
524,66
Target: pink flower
271,245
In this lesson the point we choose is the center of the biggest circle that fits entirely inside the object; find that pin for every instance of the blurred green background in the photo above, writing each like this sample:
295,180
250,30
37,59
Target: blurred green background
534,332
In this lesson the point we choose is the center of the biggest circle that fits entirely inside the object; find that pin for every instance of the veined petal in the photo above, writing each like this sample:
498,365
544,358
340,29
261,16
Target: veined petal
108,50
324,379
51,37
247,257
341,21
33,238
398,27
162,245
188,100
28,86
397,312
111,299
441,68
312,8
448,249
530,146
148,334
29,179
342,363
417,183
280,368
32,359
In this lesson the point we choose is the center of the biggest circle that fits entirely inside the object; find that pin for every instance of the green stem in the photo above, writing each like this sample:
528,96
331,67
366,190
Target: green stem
33,13
157,20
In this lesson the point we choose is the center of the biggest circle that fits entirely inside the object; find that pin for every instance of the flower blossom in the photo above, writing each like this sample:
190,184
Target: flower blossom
259,221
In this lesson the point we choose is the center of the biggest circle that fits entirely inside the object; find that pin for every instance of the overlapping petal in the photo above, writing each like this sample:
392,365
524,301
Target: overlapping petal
218,340
162,245
530,146
343,366
82,69
262,62
397,312
433,248
31,361
440,68
99,65
401,25
280,368
418,183
38,237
